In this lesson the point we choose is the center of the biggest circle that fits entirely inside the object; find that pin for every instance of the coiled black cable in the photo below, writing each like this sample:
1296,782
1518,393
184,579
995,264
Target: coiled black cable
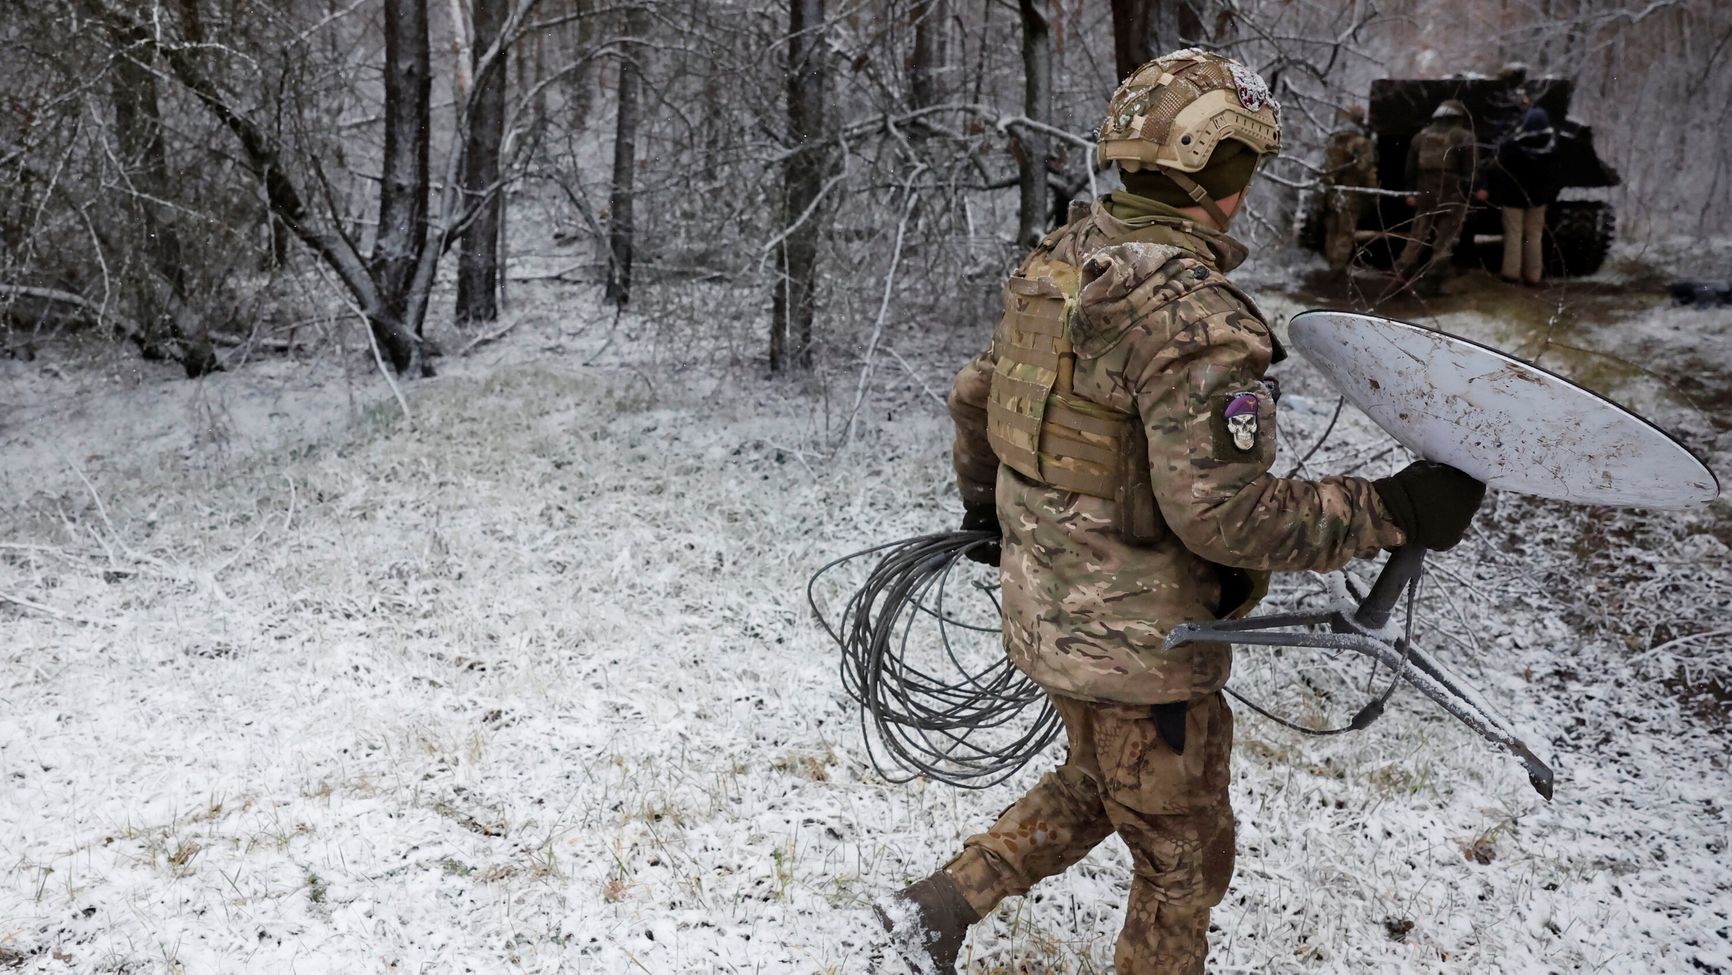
924,720
929,723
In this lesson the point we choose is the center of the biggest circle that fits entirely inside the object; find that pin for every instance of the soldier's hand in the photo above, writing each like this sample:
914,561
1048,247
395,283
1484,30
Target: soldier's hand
1482,195
983,517
1412,201
1432,503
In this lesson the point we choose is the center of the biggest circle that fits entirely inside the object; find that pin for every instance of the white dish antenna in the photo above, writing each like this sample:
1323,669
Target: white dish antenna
1510,424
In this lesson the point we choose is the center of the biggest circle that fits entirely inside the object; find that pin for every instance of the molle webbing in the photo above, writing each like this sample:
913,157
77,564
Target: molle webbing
1032,347
1041,429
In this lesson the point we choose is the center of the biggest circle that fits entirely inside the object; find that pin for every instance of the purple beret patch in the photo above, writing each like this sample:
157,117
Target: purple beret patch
1240,405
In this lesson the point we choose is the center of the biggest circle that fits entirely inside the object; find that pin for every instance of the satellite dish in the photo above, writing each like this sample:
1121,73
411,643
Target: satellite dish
1511,424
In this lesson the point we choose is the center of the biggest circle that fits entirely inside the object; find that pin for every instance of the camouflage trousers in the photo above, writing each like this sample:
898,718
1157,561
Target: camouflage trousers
1340,222
1170,809
1436,225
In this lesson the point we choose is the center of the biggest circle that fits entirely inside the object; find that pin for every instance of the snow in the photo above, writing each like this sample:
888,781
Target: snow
1253,90
908,933
289,682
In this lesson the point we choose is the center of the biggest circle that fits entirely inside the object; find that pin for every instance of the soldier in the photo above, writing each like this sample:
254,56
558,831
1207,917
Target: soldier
1348,161
1522,183
1440,172
1120,430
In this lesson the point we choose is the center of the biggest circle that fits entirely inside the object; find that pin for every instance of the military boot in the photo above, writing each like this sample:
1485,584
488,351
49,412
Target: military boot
927,921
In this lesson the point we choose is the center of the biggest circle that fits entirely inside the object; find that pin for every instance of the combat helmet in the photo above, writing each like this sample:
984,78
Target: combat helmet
1172,113
1451,108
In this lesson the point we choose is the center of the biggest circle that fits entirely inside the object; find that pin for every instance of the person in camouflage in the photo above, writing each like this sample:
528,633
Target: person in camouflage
1119,433
1440,171
1349,161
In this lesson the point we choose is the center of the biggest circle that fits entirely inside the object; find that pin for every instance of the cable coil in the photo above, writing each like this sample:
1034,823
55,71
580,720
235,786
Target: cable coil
925,721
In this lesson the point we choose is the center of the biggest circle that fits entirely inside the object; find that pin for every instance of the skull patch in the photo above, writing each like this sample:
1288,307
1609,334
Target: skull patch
1241,416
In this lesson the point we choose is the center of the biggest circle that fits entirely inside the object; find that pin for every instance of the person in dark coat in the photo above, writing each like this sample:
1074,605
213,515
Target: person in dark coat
1522,184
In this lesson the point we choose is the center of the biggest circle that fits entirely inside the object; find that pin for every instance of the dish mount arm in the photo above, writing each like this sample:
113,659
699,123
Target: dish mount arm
1363,632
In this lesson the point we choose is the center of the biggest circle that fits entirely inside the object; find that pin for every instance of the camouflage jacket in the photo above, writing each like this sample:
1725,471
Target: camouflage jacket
1442,159
1349,160
1159,333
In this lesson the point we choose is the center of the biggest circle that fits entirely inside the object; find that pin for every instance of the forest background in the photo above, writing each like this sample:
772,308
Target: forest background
454,613
211,181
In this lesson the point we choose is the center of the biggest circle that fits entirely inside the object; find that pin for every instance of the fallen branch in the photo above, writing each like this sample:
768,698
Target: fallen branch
492,336
6,597
552,275
1691,638
125,326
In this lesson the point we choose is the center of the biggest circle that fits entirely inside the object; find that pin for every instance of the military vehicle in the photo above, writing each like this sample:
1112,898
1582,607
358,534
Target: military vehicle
1578,231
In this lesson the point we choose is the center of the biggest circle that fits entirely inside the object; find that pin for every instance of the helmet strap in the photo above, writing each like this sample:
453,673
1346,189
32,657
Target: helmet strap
1195,191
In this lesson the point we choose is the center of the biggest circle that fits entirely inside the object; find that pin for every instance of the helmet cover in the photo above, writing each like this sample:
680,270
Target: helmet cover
1173,112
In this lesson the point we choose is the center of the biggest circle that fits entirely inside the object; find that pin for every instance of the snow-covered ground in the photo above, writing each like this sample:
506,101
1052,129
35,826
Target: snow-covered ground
289,682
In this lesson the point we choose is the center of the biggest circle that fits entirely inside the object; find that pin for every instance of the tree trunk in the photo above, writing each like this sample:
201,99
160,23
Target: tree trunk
478,256
138,126
538,102
795,300
263,158
620,220
1224,28
580,84
1133,35
402,235
927,16
1033,148
1146,29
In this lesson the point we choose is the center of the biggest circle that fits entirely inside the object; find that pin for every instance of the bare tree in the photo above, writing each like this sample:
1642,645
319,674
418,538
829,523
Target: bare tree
795,297
402,235
163,281
958,118
1146,29
927,17
1033,144
391,286
478,255
620,222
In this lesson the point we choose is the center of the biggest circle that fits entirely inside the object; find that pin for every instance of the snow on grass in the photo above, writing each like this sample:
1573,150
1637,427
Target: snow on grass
529,684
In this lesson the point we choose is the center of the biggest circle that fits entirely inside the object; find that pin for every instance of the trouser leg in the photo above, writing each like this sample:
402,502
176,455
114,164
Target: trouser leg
1172,811
1533,236
1336,245
1170,808
1416,243
1512,243
1046,831
1446,231
1340,221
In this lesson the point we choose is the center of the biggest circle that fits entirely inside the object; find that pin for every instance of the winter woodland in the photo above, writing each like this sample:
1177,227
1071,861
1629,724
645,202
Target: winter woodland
419,421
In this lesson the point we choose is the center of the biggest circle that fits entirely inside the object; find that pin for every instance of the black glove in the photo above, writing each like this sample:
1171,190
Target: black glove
982,518
1433,503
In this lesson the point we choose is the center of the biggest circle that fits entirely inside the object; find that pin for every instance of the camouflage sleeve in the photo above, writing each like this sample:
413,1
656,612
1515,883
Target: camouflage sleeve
1211,427
976,464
